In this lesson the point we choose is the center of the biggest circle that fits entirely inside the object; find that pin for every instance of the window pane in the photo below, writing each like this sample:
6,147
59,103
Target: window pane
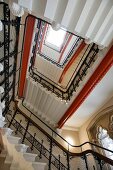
55,38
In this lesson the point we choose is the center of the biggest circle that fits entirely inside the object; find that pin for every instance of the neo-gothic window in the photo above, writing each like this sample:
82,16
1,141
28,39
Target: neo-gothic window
105,140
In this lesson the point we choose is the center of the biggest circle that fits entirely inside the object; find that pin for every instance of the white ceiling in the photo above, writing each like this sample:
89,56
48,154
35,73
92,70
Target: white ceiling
91,19
96,99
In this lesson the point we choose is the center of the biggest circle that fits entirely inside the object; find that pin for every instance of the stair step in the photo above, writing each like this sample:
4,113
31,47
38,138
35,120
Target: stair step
8,159
7,131
13,139
21,148
14,166
29,157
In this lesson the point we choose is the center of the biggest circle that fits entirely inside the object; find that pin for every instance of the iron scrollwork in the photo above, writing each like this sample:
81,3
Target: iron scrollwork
91,56
19,128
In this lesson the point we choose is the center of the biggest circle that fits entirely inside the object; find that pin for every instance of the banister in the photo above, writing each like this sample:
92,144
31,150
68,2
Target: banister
63,93
83,154
68,153
9,23
64,89
67,92
97,155
108,160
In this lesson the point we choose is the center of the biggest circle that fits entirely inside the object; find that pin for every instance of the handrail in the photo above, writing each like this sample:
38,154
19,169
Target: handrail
82,153
64,95
79,154
58,144
57,85
107,160
8,22
70,53
61,136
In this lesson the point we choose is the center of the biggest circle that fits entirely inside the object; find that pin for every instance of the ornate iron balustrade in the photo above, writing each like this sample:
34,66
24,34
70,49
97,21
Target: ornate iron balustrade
80,72
8,49
48,147
66,94
68,56
38,38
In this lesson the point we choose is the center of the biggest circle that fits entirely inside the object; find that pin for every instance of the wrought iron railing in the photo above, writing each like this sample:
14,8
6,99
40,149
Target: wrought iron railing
48,146
80,72
67,57
75,71
39,38
8,51
88,58
65,93
49,149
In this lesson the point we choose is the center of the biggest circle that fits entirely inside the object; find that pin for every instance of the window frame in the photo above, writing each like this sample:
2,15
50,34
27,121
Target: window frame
52,46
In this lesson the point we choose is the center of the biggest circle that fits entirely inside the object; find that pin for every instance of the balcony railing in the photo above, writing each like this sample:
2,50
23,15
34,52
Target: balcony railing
47,144
8,53
67,57
65,93
80,72
39,38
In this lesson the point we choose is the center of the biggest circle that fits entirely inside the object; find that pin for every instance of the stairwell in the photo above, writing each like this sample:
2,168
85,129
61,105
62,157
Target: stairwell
24,145
25,148
14,155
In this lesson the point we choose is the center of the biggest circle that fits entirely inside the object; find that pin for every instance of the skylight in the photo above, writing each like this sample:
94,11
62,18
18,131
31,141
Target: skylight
55,39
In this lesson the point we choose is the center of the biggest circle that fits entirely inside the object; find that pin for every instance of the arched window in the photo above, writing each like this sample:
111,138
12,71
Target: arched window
105,140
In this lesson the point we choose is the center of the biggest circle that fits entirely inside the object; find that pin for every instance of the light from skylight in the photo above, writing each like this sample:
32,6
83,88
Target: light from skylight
54,38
